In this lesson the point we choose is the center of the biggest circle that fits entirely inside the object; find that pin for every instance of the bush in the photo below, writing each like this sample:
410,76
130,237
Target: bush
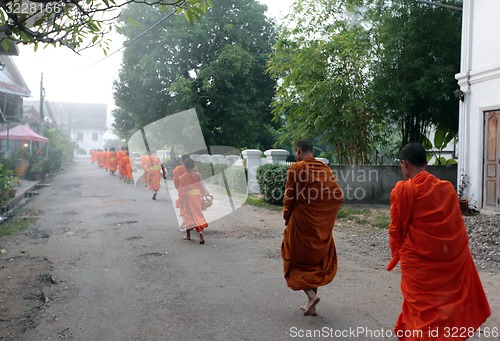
272,180
205,169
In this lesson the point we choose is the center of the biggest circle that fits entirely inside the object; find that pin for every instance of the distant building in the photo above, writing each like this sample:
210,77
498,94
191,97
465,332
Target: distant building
479,81
31,117
13,89
84,122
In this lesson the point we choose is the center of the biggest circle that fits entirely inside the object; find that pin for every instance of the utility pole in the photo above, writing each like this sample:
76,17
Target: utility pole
42,118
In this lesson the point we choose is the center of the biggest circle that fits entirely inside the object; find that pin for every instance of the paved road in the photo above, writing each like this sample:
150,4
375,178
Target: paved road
124,273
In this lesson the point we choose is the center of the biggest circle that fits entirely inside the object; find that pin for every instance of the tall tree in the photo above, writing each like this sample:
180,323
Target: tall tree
216,66
75,24
322,57
418,57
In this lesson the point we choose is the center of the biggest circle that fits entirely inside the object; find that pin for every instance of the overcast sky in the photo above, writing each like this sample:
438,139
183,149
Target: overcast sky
88,77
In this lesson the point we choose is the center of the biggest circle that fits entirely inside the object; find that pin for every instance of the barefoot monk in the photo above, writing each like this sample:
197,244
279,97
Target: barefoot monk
443,298
312,200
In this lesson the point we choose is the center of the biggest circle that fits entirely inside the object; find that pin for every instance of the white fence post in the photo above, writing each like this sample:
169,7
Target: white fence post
252,157
218,159
231,159
322,159
276,156
205,158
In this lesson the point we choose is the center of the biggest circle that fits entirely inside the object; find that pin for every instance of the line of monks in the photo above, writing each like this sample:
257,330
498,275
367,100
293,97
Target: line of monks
119,161
113,161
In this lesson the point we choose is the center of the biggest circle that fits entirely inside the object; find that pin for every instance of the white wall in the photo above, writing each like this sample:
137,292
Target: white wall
88,143
479,78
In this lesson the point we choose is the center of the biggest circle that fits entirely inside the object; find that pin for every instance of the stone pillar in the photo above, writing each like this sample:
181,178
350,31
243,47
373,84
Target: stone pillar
276,156
322,159
252,157
218,159
231,159
205,158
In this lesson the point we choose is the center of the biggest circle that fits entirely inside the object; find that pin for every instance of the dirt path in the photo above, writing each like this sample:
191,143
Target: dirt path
105,262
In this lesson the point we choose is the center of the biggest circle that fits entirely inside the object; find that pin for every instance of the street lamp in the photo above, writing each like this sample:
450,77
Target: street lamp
459,94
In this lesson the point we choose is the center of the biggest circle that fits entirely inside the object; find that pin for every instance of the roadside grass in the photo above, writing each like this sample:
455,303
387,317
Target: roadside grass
20,221
257,201
362,216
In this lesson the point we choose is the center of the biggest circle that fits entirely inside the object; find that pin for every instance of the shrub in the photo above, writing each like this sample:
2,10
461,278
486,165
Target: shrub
205,169
272,180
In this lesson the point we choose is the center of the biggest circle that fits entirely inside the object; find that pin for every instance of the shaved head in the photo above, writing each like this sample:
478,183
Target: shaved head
304,146
414,153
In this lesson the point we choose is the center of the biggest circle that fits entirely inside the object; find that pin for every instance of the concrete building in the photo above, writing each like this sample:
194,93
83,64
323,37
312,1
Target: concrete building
84,122
13,89
479,82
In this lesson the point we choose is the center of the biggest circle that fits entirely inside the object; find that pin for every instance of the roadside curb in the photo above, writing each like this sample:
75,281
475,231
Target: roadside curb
22,192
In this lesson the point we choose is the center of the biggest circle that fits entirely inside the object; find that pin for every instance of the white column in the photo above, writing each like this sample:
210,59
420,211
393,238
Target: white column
252,158
205,158
276,156
218,159
231,159
322,159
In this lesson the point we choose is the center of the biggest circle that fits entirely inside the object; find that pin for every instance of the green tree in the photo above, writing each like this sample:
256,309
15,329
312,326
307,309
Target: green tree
217,67
73,23
322,58
61,148
418,57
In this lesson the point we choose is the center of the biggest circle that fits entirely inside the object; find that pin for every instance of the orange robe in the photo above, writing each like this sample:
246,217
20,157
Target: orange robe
439,281
93,156
176,174
111,161
145,167
127,167
190,196
154,173
119,163
100,159
312,200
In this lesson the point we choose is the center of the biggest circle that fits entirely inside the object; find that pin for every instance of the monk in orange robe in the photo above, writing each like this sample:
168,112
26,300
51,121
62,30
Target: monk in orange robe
119,163
441,288
191,192
154,174
145,167
127,167
93,155
111,161
312,200
100,158
176,174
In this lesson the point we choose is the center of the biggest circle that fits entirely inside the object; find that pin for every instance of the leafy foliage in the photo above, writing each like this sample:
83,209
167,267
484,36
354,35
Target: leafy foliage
418,56
217,67
355,73
272,181
441,139
323,60
76,24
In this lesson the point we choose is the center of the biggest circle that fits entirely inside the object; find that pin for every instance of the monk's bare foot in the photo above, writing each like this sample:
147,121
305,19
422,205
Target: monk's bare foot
154,196
202,240
188,235
311,305
312,311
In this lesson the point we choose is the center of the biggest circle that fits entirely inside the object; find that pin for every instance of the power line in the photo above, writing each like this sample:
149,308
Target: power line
135,39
